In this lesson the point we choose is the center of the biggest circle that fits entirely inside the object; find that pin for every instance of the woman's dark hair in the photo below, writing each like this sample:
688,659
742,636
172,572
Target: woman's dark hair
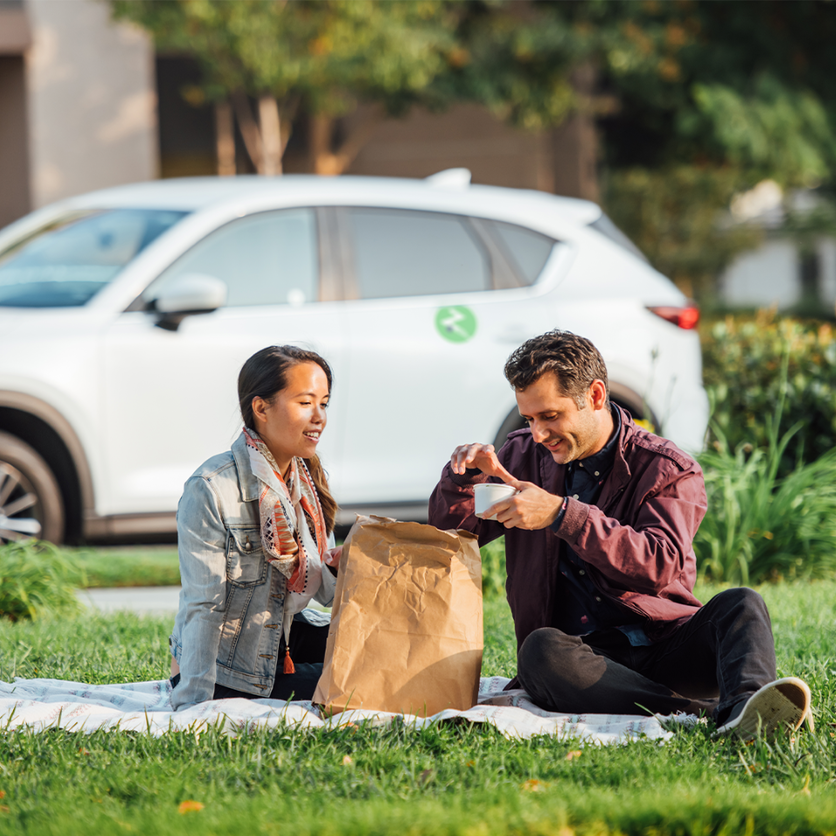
574,360
264,375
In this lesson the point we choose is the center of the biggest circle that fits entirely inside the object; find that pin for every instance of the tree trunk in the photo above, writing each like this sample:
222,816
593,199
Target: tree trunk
225,139
329,161
249,128
271,135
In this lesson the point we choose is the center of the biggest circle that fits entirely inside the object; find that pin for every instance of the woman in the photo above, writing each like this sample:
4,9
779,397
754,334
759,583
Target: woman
253,527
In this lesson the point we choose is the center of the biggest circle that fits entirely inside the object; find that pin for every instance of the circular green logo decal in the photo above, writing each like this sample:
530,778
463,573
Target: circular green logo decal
456,323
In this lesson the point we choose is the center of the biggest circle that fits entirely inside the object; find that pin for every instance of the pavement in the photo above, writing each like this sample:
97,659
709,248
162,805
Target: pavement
150,600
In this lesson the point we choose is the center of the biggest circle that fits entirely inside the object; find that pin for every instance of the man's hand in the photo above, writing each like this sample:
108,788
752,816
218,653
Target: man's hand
481,456
531,509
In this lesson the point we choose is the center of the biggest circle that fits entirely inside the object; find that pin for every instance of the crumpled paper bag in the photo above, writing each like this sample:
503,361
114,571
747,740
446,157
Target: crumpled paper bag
406,625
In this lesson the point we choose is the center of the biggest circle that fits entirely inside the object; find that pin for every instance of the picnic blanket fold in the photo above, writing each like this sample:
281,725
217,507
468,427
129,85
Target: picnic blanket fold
145,707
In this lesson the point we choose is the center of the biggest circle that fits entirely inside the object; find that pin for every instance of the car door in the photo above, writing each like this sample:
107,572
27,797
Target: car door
171,396
436,305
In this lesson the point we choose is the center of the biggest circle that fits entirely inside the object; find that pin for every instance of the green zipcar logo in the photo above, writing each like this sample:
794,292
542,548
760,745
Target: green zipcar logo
456,323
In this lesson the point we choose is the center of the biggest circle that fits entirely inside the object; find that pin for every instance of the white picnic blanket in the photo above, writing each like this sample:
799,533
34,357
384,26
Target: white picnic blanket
39,704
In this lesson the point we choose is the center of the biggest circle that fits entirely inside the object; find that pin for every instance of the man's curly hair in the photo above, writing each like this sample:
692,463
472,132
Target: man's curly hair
574,360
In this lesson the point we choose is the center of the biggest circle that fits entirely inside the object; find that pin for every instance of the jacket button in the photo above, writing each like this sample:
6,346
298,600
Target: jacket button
581,572
598,598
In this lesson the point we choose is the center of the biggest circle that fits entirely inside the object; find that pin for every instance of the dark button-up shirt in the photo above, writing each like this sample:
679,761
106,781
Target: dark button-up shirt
579,606
636,541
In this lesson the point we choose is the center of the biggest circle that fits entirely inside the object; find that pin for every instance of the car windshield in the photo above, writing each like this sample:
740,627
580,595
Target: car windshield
66,262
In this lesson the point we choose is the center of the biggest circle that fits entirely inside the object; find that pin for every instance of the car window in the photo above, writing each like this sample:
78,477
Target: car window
609,230
408,253
526,250
265,259
66,262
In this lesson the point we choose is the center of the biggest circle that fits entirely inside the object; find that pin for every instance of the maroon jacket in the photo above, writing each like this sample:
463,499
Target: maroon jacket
636,540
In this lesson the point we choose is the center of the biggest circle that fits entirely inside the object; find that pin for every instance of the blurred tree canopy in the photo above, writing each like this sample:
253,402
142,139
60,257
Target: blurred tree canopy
694,100
709,99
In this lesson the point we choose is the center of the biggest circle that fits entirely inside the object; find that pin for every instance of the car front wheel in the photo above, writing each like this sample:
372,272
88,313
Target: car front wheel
30,499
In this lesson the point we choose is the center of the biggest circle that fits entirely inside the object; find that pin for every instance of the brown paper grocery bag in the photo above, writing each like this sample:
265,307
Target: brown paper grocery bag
406,625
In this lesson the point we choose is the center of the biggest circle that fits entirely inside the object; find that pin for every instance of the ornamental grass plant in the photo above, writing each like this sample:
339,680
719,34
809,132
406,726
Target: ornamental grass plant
761,526
767,521
37,579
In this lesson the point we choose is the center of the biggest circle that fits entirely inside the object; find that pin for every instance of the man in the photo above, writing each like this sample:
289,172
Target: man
601,568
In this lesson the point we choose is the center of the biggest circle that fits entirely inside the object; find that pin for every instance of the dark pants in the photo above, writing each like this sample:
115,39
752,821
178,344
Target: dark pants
722,655
307,649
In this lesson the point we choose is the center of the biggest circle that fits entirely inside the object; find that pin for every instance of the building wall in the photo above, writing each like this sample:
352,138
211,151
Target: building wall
91,100
15,197
465,136
770,275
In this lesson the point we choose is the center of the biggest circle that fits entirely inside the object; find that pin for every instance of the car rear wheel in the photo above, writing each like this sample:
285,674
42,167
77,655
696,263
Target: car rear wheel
30,499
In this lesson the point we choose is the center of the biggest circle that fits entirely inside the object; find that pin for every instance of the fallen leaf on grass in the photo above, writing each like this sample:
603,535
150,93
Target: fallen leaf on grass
347,761
532,785
189,806
425,776
4,808
2,794
805,790
576,753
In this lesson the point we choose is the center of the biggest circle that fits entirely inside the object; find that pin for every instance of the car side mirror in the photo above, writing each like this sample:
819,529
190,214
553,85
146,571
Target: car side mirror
187,295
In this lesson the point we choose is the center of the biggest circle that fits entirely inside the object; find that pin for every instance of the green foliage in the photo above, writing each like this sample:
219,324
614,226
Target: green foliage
706,82
763,527
672,213
742,362
37,579
447,779
330,54
770,128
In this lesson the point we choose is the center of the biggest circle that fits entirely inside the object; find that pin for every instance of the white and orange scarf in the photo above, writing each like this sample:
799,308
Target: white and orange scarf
284,510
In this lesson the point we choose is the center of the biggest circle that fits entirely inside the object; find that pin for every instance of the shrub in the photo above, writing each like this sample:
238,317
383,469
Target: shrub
36,579
750,364
761,526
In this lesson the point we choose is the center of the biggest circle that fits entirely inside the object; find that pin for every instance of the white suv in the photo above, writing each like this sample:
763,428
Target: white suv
126,314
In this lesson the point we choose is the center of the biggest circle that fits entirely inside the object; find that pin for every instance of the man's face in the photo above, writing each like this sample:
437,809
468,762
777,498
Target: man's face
567,432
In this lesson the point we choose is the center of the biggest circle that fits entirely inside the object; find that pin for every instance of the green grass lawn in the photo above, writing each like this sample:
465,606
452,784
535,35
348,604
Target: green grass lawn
128,565
453,779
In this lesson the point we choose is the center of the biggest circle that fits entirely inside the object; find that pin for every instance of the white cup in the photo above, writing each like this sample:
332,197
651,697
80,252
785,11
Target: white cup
489,493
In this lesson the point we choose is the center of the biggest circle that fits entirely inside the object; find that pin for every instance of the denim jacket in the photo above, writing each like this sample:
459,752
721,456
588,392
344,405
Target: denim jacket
229,624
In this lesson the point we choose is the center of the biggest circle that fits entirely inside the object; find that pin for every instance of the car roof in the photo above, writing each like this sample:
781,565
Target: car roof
197,193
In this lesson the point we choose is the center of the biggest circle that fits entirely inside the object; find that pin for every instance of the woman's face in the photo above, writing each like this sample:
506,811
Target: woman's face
292,423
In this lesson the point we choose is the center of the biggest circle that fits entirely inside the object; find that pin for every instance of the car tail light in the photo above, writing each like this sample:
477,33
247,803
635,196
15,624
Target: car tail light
687,317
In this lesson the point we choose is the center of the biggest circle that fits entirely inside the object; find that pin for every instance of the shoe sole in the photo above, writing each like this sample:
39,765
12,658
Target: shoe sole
783,704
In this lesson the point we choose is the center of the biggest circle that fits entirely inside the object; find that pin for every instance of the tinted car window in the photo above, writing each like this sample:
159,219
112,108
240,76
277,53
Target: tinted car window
608,229
65,263
406,253
266,259
527,251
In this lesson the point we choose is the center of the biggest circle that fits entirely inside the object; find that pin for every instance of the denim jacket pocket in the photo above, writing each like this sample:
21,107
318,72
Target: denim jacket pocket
246,564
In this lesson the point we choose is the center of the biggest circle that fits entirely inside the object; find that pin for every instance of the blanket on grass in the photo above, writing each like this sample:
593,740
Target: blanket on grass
145,707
